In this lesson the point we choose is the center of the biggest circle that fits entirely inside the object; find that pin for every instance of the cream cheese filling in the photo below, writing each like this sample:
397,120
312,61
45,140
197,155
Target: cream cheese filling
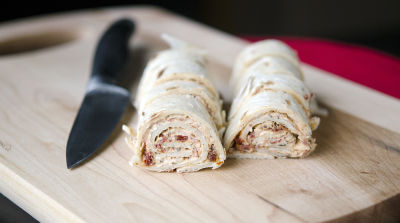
273,134
175,142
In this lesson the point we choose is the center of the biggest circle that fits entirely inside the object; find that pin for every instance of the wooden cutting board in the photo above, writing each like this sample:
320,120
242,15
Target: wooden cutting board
44,65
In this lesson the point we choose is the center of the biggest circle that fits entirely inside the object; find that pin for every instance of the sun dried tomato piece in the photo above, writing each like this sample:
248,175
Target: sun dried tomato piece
274,141
212,154
252,135
238,140
181,138
148,158
244,147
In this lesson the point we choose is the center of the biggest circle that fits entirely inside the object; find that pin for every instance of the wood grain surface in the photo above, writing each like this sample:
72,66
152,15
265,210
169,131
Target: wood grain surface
44,65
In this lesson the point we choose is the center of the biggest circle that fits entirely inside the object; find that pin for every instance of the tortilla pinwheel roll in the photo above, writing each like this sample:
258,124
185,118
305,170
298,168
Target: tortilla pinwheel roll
272,114
181,120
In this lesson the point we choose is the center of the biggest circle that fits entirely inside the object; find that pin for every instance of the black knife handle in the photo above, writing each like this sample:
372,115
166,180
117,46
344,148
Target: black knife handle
112,50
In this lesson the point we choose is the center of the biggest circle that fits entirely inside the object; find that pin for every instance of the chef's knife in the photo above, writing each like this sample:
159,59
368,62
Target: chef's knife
105,101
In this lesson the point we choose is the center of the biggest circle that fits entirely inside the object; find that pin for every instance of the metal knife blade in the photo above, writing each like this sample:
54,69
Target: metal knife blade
105,101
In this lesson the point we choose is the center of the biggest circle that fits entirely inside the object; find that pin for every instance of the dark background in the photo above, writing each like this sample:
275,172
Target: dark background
371,23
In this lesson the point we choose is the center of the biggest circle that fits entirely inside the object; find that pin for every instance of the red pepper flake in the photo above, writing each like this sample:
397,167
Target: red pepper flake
212,154
148,158
274,141
251,135
181,138
276,129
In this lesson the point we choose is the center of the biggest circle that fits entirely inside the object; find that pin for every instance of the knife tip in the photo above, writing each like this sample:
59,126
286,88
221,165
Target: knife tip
70,165
73,163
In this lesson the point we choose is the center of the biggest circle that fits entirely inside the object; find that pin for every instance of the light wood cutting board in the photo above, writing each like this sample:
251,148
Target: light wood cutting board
353,175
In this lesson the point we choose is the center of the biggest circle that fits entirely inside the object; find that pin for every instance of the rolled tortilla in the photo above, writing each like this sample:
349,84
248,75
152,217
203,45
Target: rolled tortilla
180,114
264,65
272,112
185,87
270,56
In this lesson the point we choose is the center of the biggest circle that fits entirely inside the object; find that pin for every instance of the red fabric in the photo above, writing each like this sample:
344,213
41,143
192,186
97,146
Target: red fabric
366,66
